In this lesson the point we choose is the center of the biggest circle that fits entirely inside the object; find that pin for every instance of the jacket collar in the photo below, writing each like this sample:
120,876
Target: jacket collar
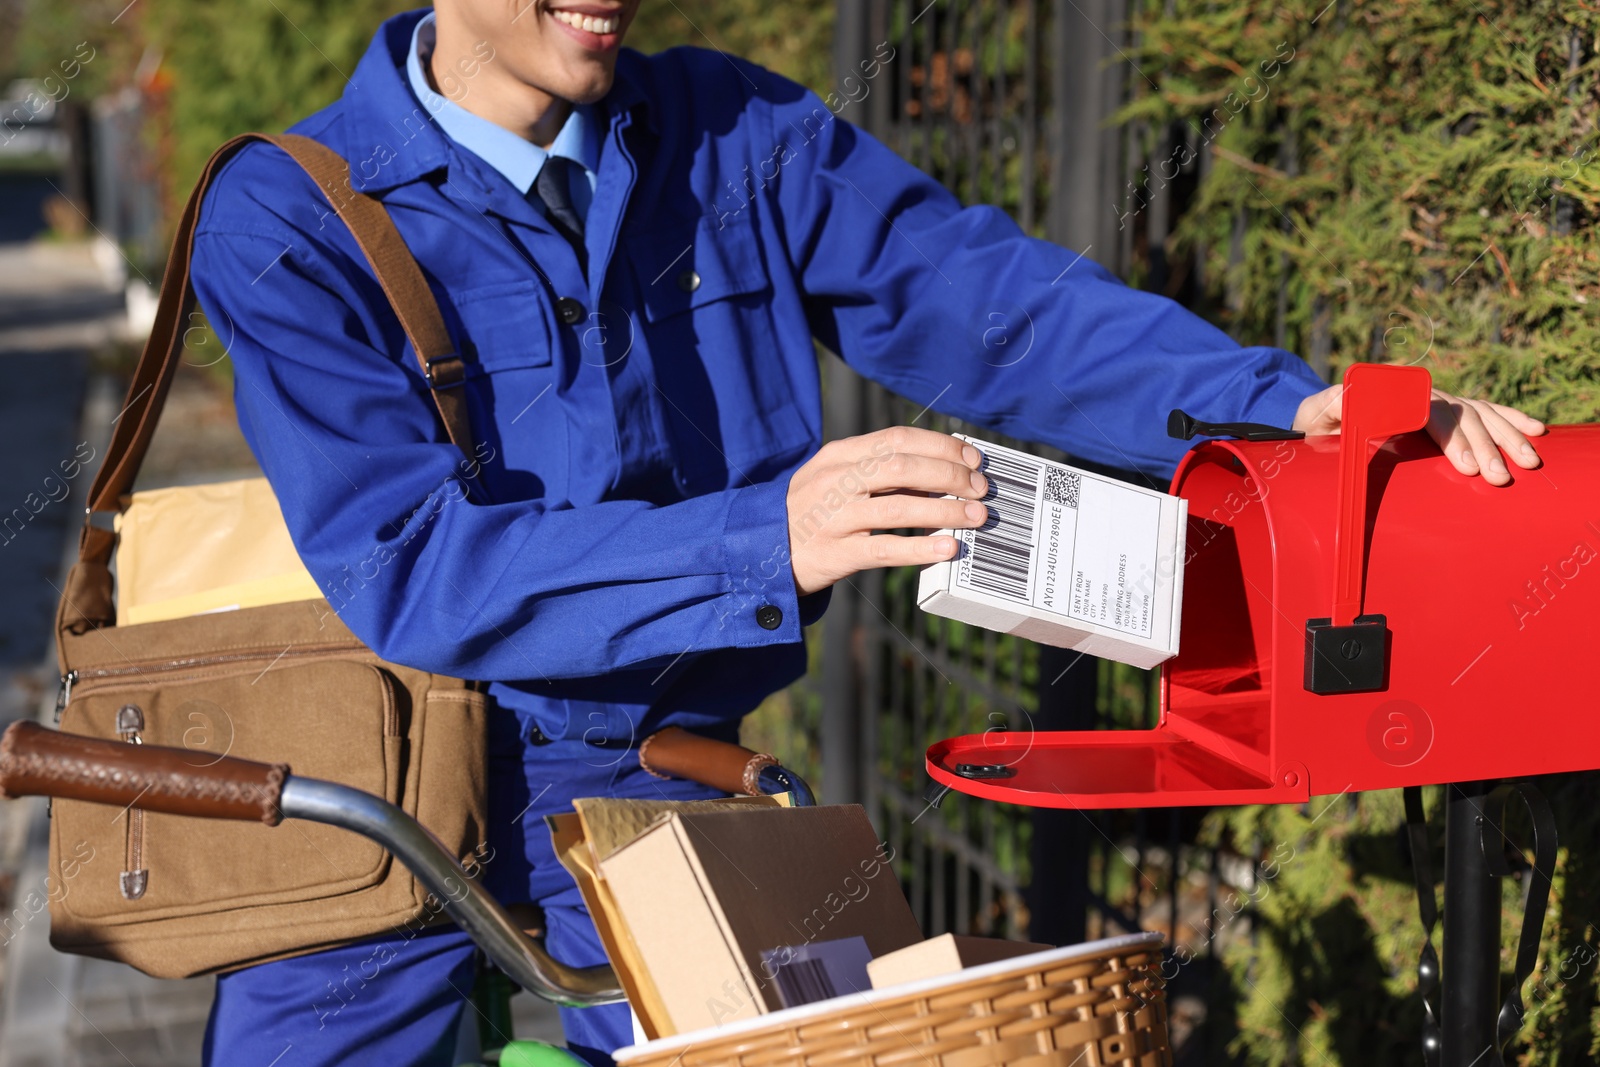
389,137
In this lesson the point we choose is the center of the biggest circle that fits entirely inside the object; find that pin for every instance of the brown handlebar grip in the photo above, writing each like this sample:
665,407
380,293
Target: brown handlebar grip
676,753
35,761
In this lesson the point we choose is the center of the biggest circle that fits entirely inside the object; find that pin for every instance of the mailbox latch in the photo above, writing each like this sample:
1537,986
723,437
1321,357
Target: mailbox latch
1184,427
1347,659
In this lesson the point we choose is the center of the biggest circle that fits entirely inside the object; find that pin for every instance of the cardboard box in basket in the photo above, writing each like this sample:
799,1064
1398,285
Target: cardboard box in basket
704,892
582,838
945,954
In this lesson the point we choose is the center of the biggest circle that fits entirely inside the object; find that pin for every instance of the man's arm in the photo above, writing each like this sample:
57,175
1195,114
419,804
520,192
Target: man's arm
956,308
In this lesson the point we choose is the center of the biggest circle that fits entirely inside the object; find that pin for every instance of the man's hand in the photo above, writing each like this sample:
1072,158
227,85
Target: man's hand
889,480
1471,432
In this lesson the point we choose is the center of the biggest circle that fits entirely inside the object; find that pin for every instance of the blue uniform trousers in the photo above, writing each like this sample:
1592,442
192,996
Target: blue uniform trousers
397,1001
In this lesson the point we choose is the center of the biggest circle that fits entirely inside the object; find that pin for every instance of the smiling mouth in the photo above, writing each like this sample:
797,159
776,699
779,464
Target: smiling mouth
588,23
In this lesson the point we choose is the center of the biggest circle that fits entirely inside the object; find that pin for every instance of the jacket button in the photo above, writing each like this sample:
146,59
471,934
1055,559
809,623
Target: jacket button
570,310
769,617
689,281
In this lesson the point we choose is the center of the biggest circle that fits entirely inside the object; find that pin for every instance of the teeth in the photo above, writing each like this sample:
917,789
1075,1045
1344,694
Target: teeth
588,22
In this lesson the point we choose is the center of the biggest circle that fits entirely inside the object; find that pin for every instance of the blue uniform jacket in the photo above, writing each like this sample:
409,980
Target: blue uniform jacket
638,427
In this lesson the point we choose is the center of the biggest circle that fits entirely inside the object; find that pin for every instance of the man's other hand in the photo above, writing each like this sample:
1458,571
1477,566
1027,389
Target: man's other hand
893,479
1472,433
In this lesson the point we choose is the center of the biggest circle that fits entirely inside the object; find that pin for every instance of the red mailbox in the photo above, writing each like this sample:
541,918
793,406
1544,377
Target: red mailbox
1353,619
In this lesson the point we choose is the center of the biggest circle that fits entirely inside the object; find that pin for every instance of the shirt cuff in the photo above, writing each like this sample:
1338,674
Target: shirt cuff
761,606
1278,400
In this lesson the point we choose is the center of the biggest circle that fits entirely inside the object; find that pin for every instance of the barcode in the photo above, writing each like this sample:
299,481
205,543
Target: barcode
803,982
1061,487
1002,547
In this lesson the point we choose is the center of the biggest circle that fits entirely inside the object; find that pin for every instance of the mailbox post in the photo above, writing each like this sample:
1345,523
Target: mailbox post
1357,615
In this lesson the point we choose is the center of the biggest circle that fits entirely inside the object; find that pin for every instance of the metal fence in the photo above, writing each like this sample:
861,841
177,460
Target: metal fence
1005,102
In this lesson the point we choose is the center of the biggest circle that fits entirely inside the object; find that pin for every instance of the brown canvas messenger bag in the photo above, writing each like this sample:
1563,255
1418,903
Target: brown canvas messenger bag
288,683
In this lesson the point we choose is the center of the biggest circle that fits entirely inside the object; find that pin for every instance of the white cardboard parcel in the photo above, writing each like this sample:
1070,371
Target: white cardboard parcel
1068,558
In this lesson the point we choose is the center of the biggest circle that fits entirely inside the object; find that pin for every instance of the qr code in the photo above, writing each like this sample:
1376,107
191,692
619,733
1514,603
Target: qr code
1061,487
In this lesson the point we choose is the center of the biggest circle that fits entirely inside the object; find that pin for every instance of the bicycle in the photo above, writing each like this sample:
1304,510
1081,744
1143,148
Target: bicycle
37,761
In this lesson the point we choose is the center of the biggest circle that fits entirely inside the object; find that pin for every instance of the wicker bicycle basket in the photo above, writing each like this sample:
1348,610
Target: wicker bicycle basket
1092,1005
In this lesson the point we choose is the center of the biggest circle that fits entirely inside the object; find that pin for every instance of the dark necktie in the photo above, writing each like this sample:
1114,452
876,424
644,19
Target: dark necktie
554,187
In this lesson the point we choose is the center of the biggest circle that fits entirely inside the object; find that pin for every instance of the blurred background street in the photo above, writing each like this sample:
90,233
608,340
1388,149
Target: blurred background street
1410,182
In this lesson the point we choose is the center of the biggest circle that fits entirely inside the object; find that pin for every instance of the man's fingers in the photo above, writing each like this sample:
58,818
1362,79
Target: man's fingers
1460,432
1511,438
914,441
898,550
905,511
906,470
1521,420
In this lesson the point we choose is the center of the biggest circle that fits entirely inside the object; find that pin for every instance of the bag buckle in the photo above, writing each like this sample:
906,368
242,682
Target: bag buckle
445,372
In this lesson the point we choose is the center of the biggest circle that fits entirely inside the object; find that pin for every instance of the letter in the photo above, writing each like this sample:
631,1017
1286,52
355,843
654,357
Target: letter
834,500
70,68
1270,67
1271,873
28,502
407,130
1548,578
1582,553
1123,216
467,66
766,178
1234,503
78,55
852,483
720,1011
1572,560
347,979
1279,53
850,880
885,852
10,520
1262,85
484,51
60,91
1230,107
866,90
869,868
376,967
879,51
869,68
828,902
786,154
325,1013
50,480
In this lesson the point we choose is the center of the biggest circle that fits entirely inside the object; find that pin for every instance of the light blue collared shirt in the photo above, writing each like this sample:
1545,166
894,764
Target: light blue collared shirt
518,159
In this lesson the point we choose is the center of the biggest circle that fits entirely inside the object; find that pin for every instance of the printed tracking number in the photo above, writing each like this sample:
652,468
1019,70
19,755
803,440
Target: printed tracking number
1002,547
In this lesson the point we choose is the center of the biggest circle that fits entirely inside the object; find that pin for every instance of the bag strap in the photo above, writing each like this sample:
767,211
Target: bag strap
386,253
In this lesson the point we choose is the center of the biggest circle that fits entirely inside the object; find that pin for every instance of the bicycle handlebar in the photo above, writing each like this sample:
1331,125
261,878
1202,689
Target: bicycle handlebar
36,761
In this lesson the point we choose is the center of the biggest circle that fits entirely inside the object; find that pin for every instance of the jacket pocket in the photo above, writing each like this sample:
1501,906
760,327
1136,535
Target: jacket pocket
689,263
504,326
345,719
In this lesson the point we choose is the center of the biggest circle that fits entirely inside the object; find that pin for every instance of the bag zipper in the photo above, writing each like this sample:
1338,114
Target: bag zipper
134,878
197,666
